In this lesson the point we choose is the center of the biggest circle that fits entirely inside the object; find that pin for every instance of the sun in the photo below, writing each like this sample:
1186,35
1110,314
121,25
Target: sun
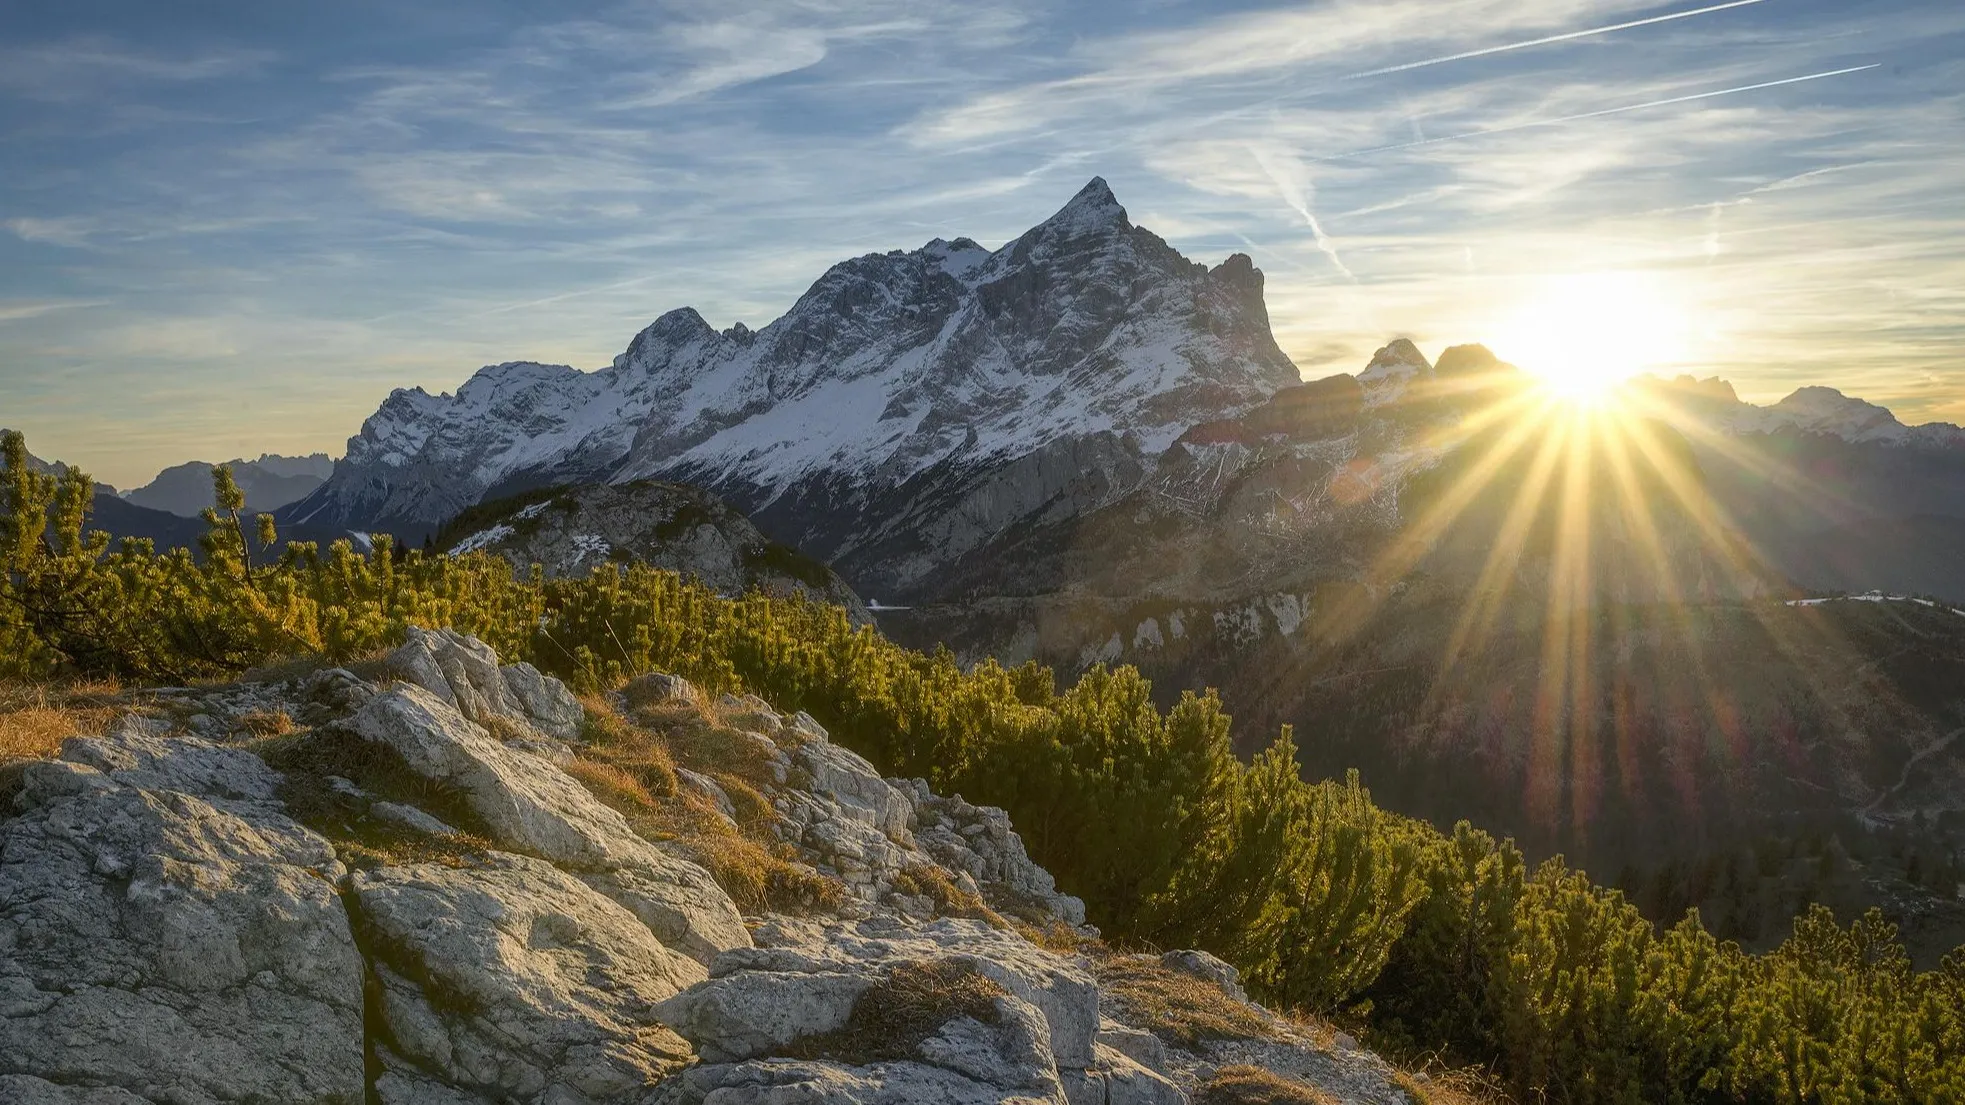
1582,335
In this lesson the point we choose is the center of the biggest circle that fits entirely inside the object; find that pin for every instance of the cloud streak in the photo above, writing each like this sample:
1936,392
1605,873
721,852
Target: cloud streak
1549,40
1292,180
1581,116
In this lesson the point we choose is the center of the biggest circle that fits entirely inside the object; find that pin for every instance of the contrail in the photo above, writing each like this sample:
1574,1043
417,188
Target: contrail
1565,37
1293,185
1599,114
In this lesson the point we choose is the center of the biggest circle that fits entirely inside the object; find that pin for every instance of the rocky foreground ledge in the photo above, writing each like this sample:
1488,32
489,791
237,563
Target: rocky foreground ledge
400,887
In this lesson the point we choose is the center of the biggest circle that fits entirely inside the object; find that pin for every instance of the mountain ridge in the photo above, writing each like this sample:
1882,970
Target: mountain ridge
888,366
270,482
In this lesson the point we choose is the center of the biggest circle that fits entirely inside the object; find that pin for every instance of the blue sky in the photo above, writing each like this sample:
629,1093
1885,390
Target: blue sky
228,228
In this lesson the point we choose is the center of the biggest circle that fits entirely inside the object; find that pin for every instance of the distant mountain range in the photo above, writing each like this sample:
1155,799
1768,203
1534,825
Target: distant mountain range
270,483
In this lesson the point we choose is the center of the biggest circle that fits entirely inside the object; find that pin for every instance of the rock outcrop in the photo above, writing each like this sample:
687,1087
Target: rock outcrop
682,529
406,895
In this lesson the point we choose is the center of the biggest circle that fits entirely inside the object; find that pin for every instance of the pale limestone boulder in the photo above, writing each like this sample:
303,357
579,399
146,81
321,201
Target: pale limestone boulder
735,1012
979,842
849,781
529,805
517,981
1205,965
1012,1054
464,672
1115,1079
1137,1044
526,802
678,901
657,688
760,1013
154,943
546,701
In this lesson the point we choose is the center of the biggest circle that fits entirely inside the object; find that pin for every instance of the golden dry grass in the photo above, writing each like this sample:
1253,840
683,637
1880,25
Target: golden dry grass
266,723
1174,1005
950,900
372,666
629,762
1468,1086
891,1019
35,718
1247,1085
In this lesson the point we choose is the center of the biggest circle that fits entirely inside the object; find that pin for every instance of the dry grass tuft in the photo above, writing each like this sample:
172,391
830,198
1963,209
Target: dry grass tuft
1054,935
950,900
372,667
894,1015
1247,1085
612,784
629,762
1469,1086
1177,1007
267,723
699,738
36,717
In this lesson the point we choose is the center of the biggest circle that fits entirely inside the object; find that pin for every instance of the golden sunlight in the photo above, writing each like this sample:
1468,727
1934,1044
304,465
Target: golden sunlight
1582,335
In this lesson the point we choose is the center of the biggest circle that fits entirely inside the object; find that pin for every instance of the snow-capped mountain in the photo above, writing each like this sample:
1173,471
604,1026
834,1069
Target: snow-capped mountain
1087,339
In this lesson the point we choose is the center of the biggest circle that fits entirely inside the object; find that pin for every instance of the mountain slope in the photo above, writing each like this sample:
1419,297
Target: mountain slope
571,531
894,374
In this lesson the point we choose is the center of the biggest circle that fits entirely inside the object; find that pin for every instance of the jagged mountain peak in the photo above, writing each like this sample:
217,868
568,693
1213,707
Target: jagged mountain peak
889,365
1399,352
1392,369
1094,207
1711,388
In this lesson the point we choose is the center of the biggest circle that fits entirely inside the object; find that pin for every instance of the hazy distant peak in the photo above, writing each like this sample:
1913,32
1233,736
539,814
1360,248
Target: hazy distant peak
1711,388
270,482
1463,359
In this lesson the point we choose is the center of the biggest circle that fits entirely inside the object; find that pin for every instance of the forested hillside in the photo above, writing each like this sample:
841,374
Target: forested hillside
1433,942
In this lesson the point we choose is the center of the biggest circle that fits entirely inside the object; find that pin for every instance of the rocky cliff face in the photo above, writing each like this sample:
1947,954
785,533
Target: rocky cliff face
332,888
671,526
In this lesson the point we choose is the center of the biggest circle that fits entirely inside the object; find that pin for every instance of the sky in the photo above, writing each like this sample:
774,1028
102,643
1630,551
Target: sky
232,228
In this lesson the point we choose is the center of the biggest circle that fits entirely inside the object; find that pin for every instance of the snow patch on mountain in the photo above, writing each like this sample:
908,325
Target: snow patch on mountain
1391,371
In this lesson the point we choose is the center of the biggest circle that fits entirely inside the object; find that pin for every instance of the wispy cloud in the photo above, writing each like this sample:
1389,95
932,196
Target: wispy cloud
1293,184
14,310
1550,40
92,65
1621,109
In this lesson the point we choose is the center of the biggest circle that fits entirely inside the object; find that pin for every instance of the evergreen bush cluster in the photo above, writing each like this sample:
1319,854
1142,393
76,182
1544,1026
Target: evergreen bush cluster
1447,943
